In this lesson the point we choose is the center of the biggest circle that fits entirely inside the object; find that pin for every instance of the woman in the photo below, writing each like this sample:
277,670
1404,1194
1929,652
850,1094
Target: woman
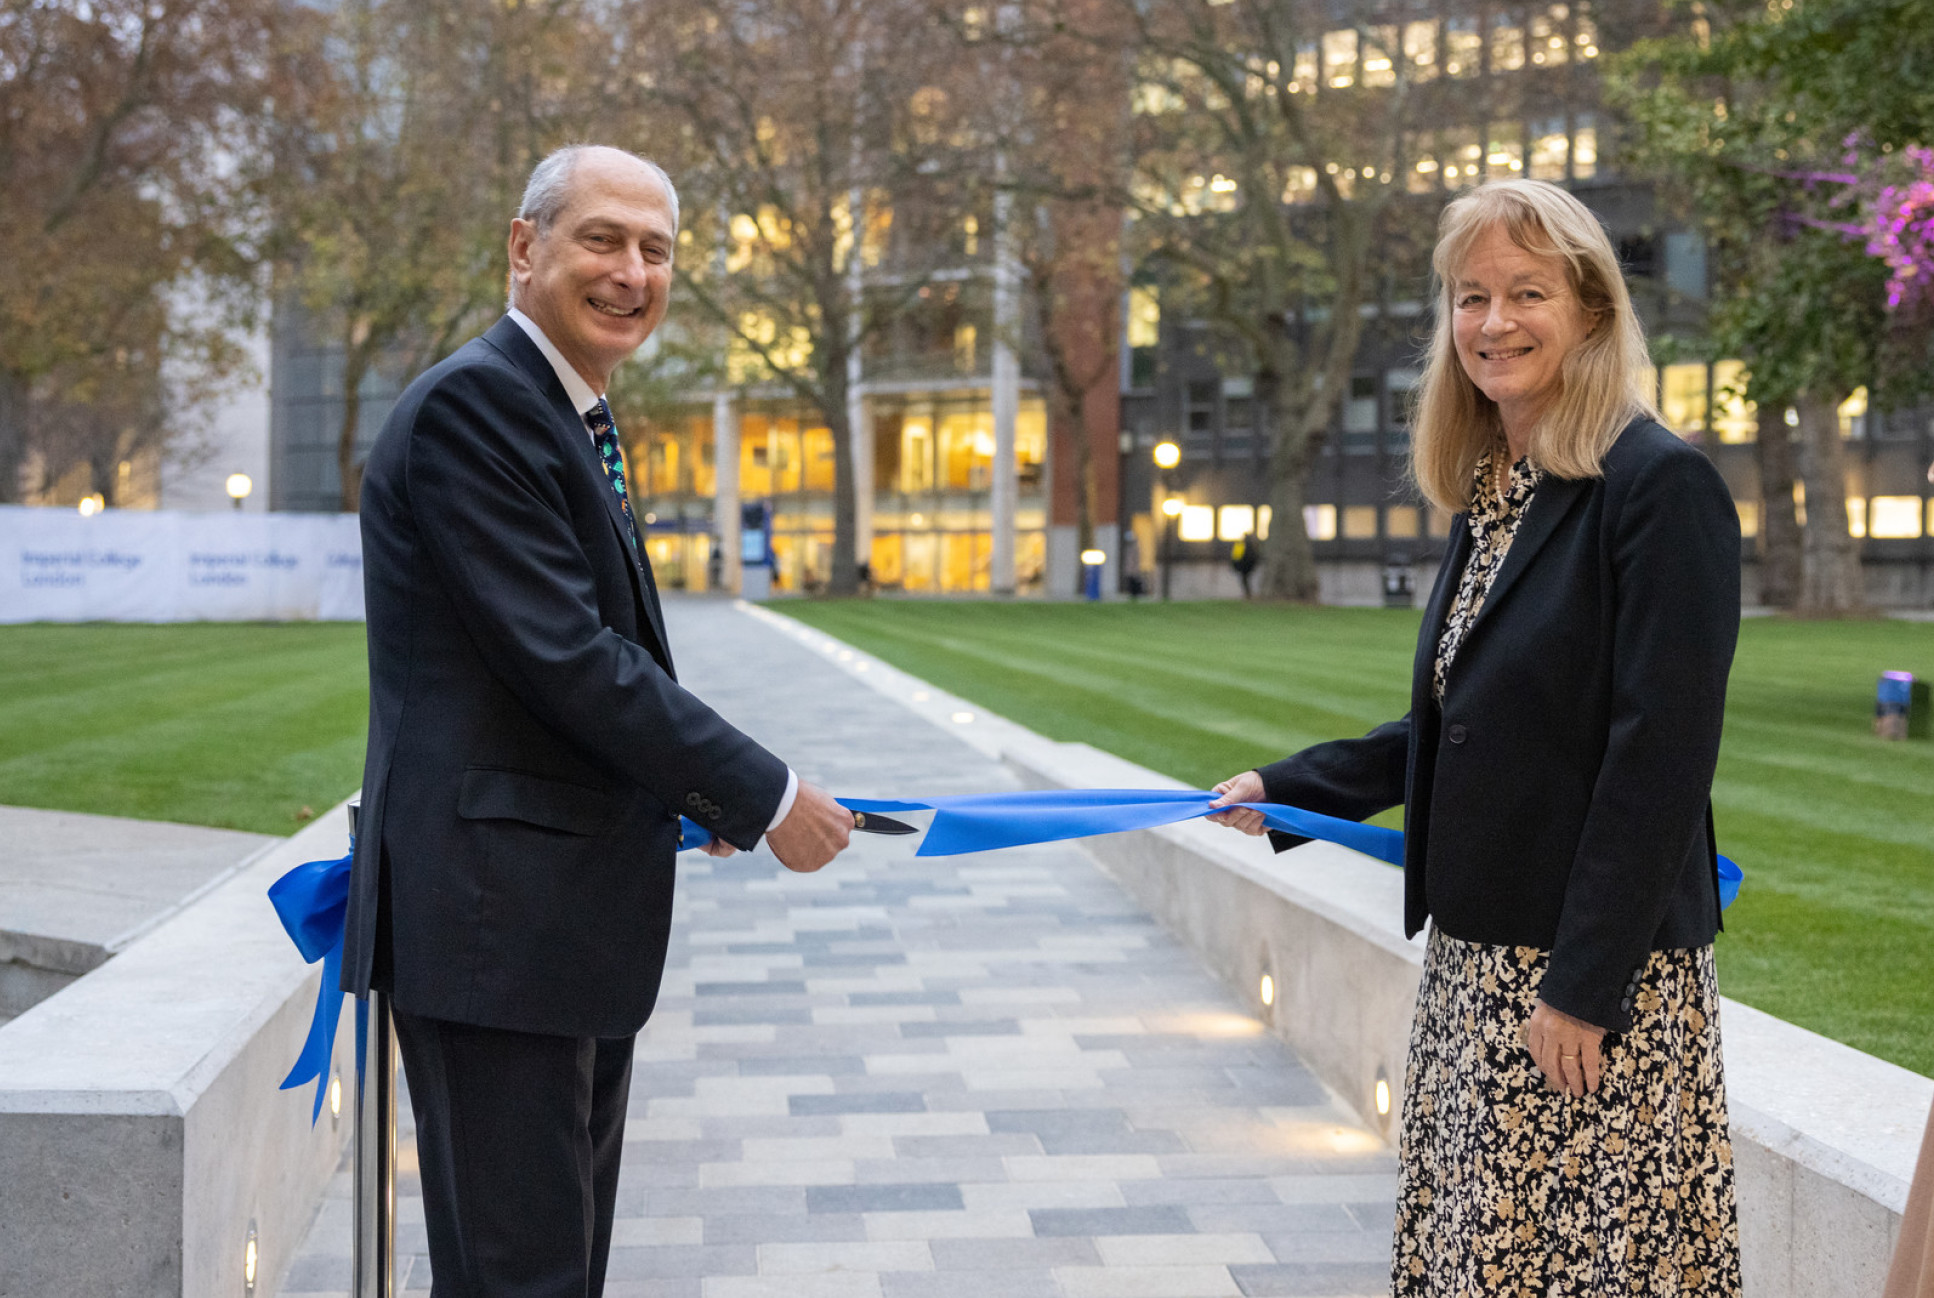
1564,1123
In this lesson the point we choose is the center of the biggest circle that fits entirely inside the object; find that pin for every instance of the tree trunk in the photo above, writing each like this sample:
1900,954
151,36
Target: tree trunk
13,434
1289,563
1830,559
1779,525
349,469
845,576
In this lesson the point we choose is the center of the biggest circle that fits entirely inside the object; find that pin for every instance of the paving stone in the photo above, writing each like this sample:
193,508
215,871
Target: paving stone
908,1197
1155,1219
970,1284
1322,1281
878,1102
986,1076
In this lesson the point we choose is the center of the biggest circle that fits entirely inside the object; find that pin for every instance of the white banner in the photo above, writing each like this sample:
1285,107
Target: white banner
159,566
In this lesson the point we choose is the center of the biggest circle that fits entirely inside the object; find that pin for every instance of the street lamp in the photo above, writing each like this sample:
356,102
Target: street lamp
1172,509
1167,455
239,485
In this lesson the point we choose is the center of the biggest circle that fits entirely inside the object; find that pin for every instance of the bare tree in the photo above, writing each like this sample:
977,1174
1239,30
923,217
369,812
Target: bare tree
125,131
1265,175
396,181
805,134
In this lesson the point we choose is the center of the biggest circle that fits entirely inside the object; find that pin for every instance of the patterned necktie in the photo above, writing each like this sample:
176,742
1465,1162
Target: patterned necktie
604,432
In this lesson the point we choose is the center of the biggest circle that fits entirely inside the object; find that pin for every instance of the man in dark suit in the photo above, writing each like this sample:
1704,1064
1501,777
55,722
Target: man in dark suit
530,748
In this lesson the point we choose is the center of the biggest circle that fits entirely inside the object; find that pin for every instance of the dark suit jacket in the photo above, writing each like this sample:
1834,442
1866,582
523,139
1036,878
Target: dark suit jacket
529,746
1560,798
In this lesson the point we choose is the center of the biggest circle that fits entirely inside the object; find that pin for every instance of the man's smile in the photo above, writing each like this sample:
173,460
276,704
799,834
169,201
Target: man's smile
610,309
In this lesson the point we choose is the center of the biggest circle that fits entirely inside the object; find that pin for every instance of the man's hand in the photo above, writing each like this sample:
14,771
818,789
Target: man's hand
814,831
1565,1049
1246,787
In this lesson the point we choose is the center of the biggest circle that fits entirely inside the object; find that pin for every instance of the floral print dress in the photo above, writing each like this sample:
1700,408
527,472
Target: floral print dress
1509,1188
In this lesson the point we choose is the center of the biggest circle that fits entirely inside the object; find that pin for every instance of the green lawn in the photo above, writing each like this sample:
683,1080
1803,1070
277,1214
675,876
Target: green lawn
237,725
1834,828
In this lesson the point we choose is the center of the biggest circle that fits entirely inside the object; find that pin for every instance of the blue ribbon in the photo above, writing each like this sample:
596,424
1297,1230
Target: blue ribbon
311,901
982,822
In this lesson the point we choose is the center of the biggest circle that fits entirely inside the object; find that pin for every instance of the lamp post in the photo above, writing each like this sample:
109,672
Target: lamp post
239,485
1167,456
1171,510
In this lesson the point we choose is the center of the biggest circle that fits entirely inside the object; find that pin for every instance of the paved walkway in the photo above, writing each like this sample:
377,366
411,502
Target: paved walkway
972,1077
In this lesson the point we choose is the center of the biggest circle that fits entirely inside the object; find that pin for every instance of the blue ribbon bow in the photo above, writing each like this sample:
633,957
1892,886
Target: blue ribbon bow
311,901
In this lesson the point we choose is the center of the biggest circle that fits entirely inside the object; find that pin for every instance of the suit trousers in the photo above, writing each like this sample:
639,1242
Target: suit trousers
518,1138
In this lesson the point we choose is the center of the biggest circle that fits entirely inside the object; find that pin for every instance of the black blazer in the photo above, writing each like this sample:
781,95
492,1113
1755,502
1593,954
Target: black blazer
529,746
1561,796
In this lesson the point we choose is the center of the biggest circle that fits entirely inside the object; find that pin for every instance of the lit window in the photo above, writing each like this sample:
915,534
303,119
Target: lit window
1359,522
1233,522
1144,317
1853,414
1262,523
1734,418
1462,156
1856,516
1320,522
1586,38
1463,48
1584,152
1894,518
1197,523
1507,46
965,338
1748,517
1504,156
1420,49
1548,46
1548,149
1402,522
1308,68
1339,57
1683,399
1380,58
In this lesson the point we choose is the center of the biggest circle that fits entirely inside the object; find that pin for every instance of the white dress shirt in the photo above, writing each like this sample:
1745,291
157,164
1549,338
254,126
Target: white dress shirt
584,400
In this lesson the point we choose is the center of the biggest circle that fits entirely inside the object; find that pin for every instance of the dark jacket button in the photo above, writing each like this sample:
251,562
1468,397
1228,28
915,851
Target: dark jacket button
1626,1004
1455,734
712,813
692,799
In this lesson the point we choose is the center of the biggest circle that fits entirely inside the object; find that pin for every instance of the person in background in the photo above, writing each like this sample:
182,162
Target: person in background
1244,555
1564,1127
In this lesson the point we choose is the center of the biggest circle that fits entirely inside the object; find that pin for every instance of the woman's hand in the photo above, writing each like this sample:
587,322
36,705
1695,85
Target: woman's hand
1565,1050
1246,787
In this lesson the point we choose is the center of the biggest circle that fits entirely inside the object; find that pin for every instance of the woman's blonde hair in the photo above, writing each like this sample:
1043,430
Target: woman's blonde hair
1607,378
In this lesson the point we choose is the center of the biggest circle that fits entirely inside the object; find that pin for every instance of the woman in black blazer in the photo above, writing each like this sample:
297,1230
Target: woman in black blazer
1564,1116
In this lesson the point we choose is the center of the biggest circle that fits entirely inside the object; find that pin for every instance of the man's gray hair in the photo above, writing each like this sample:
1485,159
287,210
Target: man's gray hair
549,189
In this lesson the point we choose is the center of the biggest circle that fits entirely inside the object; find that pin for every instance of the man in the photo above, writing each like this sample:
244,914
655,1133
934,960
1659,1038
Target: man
530,749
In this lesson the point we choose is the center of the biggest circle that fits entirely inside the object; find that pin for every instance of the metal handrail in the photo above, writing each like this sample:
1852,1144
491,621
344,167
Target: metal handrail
374,1178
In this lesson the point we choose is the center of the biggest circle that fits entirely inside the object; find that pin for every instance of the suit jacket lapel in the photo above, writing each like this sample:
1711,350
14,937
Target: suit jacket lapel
1553,500
510,339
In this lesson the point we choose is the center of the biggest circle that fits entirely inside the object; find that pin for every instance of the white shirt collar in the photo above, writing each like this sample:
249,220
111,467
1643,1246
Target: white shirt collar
583,399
